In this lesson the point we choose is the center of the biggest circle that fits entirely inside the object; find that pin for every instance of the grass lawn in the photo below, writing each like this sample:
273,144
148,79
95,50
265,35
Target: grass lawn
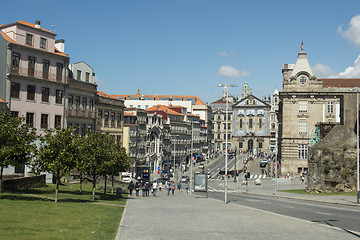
302,191
33,214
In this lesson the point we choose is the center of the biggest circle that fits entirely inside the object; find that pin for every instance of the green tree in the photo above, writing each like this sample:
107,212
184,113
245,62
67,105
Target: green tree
118,162
99,152
16,141
57,154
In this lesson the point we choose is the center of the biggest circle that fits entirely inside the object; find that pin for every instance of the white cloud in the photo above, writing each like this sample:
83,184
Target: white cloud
228,71
245,73
352,71
223,54
353,32
323,71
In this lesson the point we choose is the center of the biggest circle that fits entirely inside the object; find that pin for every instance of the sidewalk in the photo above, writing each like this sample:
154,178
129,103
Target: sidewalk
193,217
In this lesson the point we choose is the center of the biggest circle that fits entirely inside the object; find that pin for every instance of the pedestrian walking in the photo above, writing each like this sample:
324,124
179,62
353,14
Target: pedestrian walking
154,188
169,188
179,187
143,188
187,188
147,188
137,188
173,188
160,186
131,187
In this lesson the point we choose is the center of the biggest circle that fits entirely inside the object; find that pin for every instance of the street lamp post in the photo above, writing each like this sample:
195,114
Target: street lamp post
176,136
226,137
191,157
357,144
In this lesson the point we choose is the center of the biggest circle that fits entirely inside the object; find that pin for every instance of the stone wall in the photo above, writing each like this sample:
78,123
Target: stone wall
15,183
332,162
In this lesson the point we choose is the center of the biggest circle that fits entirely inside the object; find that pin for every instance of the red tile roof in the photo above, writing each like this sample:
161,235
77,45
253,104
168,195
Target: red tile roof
2,101
102,94
340,82
163,108
33,26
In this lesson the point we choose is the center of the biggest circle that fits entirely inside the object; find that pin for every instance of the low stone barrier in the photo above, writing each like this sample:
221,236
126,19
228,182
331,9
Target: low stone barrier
16,183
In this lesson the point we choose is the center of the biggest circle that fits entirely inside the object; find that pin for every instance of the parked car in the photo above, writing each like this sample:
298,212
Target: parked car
185,179
126,177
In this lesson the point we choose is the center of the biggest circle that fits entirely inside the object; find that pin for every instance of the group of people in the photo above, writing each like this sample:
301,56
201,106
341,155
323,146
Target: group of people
147,186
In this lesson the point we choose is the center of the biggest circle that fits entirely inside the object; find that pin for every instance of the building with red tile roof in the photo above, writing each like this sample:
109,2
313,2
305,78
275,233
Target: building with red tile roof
307,102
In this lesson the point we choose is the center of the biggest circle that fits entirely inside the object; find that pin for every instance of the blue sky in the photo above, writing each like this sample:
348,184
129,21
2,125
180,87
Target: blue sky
188,47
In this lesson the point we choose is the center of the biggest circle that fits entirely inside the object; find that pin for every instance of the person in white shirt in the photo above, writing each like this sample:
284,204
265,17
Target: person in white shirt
154,188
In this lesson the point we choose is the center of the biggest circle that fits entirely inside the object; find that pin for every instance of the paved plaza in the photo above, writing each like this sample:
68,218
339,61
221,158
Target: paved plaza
183,216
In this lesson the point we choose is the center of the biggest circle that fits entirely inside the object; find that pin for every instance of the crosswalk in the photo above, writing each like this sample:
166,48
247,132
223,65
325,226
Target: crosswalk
210,189
255,176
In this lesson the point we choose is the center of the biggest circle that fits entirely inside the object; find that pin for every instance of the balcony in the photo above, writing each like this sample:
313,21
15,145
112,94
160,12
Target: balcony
33,74
79,113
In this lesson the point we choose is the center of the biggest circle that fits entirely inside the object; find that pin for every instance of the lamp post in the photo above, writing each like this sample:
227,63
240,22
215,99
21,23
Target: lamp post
357,144
174,138
191,156
226,135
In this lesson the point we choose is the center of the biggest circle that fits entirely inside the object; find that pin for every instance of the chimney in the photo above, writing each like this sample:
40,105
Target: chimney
37,24
60,45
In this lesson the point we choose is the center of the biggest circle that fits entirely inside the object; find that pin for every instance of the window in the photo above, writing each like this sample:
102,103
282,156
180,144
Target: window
29,39
45,94
59,70
14,113
302,79
241,123
273,135
43,43
30,119
15,63
31,66
31,92
330,107
78,77
224,136
57,122
46,65
302,106
106,116
260,123
119,118
84,103
15,90
302,151
251,123
70,101
219,126
112,117
77,103
83,130
146,106
260,145
302,127
219,136
59,97
99,114
91,105
44,121
87,76
240,144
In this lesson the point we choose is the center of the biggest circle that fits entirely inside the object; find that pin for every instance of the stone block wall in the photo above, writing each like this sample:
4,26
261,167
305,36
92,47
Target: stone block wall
16,183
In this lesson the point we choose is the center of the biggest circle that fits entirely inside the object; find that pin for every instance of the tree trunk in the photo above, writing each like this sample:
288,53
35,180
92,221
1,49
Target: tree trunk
1,175
105,186
80,182
57,185
94,185
112,184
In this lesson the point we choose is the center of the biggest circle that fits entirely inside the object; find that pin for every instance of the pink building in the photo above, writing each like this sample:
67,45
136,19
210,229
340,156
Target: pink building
36,72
